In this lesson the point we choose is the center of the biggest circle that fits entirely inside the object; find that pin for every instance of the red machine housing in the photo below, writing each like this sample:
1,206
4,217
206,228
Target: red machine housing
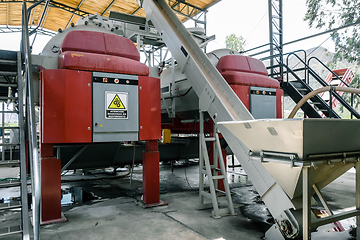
66,106
66,100
241,72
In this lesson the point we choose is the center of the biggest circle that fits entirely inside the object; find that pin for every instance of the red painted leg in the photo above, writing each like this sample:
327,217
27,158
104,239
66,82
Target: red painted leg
50,186
151,182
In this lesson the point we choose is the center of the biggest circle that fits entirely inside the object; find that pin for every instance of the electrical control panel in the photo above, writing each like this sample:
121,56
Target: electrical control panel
263,102
115,107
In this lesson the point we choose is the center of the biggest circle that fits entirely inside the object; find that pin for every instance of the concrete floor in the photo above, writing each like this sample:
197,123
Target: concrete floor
116,214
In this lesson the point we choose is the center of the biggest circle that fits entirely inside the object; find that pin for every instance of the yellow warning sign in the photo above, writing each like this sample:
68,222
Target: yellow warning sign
116,103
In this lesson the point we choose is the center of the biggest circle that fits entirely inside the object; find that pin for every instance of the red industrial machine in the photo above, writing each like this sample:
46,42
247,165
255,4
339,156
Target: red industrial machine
100,93
247,77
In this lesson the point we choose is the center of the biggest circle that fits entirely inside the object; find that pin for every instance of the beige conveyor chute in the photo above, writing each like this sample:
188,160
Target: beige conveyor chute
272,142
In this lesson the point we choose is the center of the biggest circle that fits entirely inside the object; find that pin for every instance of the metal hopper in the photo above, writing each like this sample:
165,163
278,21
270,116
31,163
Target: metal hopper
327,144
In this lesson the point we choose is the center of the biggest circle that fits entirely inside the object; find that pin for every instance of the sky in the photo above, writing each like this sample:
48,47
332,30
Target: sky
248,19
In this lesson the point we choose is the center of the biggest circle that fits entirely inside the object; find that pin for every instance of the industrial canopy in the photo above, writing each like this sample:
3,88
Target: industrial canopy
61,13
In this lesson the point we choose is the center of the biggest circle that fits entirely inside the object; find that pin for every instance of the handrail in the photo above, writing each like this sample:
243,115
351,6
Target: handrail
336,95
41,18
320,90
322,82
304,62
327,68
33,148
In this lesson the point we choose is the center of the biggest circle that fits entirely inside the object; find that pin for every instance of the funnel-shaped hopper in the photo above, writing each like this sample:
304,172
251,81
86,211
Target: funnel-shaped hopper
305,139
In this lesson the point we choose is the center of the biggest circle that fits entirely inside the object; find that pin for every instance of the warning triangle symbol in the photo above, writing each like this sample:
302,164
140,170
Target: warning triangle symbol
116,103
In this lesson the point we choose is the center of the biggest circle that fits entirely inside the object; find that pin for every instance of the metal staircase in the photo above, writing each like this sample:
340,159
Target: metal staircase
318,106
13,146
214,174
16,89
346,75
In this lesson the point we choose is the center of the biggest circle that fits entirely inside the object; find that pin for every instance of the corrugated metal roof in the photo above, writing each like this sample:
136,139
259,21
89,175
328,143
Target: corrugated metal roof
61,13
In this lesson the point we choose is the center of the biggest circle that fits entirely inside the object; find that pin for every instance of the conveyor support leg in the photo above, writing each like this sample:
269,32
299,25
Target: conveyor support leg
50,186
151,188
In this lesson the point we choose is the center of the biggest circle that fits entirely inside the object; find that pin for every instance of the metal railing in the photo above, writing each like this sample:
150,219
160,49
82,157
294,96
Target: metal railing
348,106
309,72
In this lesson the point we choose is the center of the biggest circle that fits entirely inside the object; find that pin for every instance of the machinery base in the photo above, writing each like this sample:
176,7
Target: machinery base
62,219
144,205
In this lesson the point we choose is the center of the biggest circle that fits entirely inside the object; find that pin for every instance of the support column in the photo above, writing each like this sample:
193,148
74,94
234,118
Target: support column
151,182
50,186
306,204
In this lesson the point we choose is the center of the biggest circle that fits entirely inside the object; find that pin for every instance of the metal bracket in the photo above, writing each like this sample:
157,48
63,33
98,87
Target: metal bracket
206,98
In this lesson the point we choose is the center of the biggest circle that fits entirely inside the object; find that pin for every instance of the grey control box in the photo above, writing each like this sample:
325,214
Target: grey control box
115,107
263,102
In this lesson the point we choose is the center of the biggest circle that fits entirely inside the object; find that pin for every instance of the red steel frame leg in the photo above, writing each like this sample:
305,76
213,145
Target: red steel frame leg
50,186
151,181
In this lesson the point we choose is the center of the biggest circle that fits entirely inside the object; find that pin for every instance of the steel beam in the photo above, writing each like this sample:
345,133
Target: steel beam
23,175
41,18
187,4
323,201
11,29
107,8
33,153
72,16
306,204
73,158
7,14
334,218
69,9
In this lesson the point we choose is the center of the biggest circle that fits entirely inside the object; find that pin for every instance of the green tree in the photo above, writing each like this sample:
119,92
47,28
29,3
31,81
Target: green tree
335,13
235,43
330,14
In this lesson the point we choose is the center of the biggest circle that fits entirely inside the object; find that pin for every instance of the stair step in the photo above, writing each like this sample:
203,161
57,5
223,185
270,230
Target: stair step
10,205
8,61
298,69
7,54
8,98
1,127
12,162
220,191
8,85
6,184
315,103
9,112
9,144
6,231
218,177
6,73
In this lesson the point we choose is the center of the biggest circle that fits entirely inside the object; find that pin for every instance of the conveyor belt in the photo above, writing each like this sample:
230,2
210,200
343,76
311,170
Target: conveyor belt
218,99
